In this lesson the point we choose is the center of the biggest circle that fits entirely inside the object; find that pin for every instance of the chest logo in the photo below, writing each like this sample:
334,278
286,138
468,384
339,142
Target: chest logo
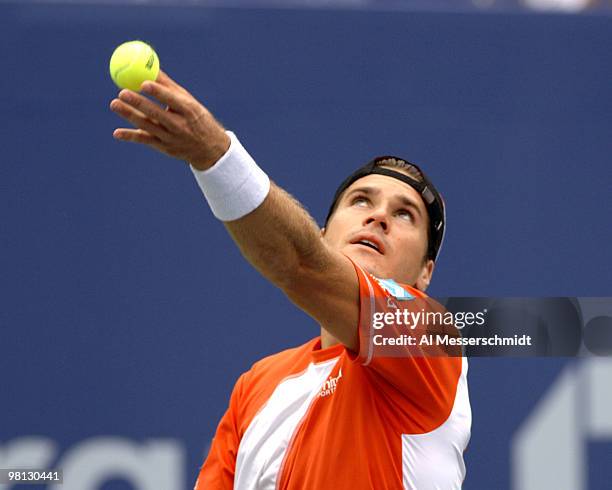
329,387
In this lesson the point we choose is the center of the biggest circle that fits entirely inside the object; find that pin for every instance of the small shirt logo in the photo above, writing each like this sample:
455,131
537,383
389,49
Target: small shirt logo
329,387
394,289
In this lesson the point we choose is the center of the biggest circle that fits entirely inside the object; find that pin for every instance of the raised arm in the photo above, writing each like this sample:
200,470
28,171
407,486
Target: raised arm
279,238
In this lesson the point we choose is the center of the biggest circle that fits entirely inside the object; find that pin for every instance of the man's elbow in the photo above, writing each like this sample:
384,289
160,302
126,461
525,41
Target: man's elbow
309,268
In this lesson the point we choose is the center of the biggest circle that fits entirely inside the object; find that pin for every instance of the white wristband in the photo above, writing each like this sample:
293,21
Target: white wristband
234,186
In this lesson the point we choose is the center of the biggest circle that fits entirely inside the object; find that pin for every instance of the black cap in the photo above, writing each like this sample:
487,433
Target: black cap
431,197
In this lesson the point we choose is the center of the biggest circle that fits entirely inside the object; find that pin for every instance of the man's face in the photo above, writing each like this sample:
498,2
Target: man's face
381,224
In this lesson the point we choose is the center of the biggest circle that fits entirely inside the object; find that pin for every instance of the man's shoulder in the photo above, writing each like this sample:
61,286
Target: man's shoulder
258,383
293,356
276,367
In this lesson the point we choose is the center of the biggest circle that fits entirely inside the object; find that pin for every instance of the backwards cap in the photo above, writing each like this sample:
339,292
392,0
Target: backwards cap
431,197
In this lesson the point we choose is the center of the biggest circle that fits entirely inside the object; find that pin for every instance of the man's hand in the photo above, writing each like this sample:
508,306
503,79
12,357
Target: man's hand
184,129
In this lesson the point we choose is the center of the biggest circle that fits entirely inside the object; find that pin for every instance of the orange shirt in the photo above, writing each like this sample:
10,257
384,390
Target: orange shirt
311,418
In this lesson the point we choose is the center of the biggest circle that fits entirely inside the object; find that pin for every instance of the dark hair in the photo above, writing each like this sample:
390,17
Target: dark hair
415,179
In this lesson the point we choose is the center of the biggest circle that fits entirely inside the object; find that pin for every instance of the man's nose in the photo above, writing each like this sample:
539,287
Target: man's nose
378,216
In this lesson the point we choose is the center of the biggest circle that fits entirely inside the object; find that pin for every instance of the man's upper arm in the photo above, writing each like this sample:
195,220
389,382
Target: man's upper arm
329,292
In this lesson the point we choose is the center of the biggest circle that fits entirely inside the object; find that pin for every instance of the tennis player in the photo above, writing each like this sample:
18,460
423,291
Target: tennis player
346,410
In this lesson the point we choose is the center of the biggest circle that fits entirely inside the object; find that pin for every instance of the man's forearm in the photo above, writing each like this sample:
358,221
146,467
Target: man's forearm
271,228
279,238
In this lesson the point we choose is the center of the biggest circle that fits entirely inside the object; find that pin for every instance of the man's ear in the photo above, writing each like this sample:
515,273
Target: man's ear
425,276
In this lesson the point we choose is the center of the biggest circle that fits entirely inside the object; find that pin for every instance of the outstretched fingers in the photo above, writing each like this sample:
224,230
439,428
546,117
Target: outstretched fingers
175,100
137,118
151,110
137,136
168,118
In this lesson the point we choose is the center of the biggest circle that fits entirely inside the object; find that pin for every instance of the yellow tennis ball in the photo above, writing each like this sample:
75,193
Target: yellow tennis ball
132,63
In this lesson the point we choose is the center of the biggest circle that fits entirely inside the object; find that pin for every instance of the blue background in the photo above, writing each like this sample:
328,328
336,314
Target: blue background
126,308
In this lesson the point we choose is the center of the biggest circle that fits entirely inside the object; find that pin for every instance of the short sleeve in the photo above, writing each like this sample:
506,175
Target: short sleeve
418,370
219,468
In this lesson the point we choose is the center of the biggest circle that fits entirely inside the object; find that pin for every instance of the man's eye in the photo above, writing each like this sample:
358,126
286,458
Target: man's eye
360,201
405,214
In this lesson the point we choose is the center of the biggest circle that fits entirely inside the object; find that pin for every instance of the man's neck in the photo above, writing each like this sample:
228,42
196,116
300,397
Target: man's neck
327,339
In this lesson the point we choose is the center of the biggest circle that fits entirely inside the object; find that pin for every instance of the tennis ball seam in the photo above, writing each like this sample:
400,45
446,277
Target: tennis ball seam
119,70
